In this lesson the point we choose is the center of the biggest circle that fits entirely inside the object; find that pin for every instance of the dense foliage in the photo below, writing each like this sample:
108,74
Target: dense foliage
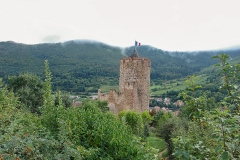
205,129
137,122
29,89
86,132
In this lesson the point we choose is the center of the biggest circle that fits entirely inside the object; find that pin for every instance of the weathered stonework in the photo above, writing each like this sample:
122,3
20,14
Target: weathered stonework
134,85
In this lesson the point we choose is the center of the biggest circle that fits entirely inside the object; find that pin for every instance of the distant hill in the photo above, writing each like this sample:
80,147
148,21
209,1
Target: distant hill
171,65
63,57
236,47
80,66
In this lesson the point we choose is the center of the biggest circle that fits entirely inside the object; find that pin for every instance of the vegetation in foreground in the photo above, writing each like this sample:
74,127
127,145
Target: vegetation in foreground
60,132
204,129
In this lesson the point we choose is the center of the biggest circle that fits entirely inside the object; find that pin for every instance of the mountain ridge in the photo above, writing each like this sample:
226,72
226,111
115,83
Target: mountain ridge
90,64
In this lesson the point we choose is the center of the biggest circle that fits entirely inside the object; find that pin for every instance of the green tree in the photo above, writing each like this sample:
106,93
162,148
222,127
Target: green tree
8,110
156,117
48,97
29,89
194,106
49,110
146,117
122,114
231,77
133,120
215,133
62,98
168,124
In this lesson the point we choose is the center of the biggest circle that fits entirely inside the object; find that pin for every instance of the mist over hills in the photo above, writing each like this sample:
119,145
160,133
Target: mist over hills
79,65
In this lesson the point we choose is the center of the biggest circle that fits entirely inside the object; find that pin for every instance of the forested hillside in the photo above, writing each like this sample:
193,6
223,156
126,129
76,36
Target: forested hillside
171,65
83,66
75,65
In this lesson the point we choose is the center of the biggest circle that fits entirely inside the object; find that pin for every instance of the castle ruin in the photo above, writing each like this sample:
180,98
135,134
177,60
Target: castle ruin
134,86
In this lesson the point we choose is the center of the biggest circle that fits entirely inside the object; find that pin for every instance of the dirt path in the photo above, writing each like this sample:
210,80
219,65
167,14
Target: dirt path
161,153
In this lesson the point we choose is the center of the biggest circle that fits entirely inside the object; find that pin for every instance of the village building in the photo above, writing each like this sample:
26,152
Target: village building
157,108
179,103
159,100
167,101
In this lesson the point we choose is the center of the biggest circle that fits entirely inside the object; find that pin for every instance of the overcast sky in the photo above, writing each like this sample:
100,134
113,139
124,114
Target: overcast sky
182,25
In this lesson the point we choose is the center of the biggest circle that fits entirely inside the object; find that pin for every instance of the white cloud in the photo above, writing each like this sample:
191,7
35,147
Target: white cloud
169,25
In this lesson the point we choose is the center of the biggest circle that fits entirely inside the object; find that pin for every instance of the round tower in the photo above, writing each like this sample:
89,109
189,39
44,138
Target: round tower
134,82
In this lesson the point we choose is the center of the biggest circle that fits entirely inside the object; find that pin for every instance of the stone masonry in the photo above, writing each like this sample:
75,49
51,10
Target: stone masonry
134,86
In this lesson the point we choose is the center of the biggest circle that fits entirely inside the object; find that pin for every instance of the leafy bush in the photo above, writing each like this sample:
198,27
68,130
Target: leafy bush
87,132
156,117
133,120
29,89
35,147
168,125
146,117
79,133
216,136
215,133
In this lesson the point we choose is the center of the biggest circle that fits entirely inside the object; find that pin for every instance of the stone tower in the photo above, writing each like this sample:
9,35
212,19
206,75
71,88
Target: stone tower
134,85
134,81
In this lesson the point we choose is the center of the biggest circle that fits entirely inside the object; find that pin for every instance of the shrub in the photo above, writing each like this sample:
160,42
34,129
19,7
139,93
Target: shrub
167,127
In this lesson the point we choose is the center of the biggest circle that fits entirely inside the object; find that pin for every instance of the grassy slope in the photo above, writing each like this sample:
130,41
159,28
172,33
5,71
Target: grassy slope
175,85
167,86
156,142
179,84
107,88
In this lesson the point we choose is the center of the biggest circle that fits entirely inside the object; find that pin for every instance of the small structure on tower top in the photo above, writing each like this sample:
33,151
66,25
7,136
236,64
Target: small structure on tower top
134,54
